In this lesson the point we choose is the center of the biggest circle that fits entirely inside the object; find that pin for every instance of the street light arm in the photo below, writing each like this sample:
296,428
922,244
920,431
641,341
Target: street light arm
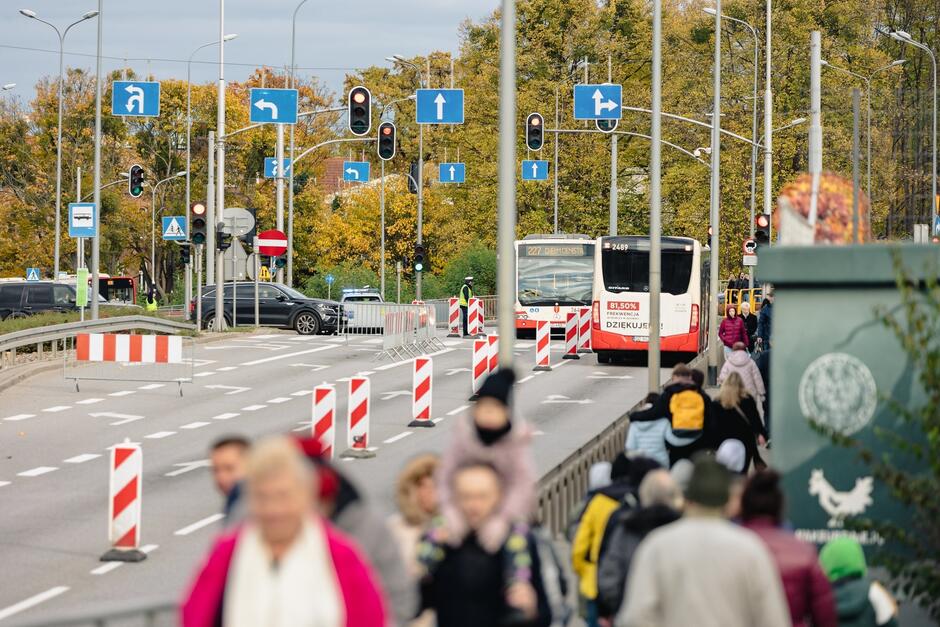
111,184
691,121
328,143
845,71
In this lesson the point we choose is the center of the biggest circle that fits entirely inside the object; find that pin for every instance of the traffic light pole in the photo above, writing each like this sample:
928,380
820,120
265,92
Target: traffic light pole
420,184
210,212
96,240
382,236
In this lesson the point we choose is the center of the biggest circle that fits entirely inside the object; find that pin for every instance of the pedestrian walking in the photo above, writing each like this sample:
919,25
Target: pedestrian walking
285,566
809,595
736,418
703,570
732,284
660,504
860,601
598,477
649,437
765,318
732,330
227,462
750,322
740,361
466,293
151,301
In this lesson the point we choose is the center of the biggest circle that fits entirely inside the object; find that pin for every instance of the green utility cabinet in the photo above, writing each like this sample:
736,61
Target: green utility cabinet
832,358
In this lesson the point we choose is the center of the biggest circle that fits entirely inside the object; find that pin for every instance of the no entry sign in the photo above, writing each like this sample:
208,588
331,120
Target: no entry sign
272,243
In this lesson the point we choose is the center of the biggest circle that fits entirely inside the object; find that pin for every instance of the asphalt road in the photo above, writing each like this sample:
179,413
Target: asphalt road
54,449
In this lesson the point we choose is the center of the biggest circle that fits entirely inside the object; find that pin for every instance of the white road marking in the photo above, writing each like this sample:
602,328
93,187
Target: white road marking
20,417
525,344
603,375
234,389
159,435
194,425
304,426
56,409
285,356
436,420
452,371
3,483
558,399
538,433
528,378
225,416
336,340
387,396
187,467
35,472
454,412
227,368
104,569
122,393
204,374
302,393
373,341
279,399
113,446
89,401
313,367
365,373
253,407
152,386
81,459
123,419
199,524
32,601
396,438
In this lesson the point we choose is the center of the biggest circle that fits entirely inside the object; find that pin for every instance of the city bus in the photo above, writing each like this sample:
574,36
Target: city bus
554,275
620,312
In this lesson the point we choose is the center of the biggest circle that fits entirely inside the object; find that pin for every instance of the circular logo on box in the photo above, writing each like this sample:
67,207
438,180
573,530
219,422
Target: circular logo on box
838,390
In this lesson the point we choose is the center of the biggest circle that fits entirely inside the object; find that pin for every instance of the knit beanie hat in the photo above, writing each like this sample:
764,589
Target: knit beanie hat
498,386
732,455
843,557
710,483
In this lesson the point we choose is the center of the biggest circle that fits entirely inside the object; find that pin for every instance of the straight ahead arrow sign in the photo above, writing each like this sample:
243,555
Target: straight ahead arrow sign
535,170
452,170
440,101
234,389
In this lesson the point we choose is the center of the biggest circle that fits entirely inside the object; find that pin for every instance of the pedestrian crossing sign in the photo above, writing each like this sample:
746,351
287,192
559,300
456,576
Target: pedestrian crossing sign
174,228
32,274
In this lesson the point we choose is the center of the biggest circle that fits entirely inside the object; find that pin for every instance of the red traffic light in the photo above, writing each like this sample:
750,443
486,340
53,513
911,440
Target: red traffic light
535,121
762,221
198,208
359,97
387,130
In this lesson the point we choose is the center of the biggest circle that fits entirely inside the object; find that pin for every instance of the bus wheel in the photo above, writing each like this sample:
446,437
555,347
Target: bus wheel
603,358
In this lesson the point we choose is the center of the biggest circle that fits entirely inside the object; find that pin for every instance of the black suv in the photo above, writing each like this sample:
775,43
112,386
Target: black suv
278,306
24,298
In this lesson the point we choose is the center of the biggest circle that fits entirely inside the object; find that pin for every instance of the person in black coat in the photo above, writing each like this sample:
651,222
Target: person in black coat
750,322
735,417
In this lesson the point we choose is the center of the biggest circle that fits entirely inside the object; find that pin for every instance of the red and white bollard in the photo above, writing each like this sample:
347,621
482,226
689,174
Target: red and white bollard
584,330
473,317
571,336
481,319
124,504
543,345
421,392
357,419
453,317
493,356
481,366
324,419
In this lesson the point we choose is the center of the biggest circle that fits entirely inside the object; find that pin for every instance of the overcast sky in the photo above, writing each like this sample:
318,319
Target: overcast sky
330,40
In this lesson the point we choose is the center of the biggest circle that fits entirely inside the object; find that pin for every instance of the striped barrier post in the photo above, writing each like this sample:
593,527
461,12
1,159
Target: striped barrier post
543,345
453,317
324,418
357,419
473,318
584,330
571,336
480,367
481,319
493,355
124,504
421,392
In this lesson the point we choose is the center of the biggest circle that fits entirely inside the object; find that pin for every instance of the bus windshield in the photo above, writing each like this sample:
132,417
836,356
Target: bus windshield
553,274
629,270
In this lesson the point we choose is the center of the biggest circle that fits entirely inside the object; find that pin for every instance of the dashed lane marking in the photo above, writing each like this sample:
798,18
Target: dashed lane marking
225,416
32,601
122,393
253,407
287,355
305,425
204,374
159,435
396,438
81,459
194,425
279,399
18,417
227,368
152,386
528,378
436,420
302,393
36,472
454,412
3,483
199,524
56,409
89,401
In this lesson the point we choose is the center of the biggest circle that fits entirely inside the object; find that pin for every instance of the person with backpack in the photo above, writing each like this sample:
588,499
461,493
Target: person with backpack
860,601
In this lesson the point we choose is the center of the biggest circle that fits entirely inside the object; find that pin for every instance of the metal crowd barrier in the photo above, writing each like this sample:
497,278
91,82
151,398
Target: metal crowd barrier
409,331
441,306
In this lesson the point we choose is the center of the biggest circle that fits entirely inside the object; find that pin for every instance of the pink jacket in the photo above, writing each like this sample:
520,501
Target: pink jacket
741,362
362,596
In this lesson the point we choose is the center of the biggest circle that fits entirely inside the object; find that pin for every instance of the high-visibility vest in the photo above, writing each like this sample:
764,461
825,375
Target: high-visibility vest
466,293
151,305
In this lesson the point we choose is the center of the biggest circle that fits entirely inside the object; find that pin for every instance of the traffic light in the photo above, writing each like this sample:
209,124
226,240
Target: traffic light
223,240
280,262
135,181
386,141
359,110
762,228
413,178
184,253
534,125
606,126
417,259
197,223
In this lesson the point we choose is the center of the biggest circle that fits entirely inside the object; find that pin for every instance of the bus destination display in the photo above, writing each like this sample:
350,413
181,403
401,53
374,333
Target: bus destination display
555,250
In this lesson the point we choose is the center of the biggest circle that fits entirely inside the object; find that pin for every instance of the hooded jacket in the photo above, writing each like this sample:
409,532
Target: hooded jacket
586,548
733,330
741,362
859,601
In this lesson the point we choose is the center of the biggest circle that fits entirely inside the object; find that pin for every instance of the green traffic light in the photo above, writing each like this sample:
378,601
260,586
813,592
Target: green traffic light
419,267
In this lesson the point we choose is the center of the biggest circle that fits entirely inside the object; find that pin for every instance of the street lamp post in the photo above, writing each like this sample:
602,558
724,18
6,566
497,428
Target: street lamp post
904,37
290,176
153,230
58,157
715,203
96,240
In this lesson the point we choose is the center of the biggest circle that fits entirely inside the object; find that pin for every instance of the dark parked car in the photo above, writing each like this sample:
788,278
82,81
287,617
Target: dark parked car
278,306
24,298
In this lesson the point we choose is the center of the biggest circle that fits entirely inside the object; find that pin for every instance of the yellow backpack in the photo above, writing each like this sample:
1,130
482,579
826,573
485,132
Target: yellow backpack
687,408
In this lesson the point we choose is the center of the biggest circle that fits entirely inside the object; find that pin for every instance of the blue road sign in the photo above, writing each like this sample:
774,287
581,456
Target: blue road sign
81,219
452,172
439,106
135,98
936,225
329,279
278,106
533,170
597,102
174,228
32,274
356,171
270,167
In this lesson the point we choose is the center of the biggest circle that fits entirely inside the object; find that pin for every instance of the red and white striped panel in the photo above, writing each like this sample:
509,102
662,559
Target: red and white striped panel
357,416
124,496
453,316
324,418
473,317
144,349
493,356
421,389
543,345
571,335
481,320
481,364
584,330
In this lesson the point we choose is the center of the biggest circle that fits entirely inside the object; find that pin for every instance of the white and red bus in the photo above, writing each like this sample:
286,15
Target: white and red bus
554,275
620,313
